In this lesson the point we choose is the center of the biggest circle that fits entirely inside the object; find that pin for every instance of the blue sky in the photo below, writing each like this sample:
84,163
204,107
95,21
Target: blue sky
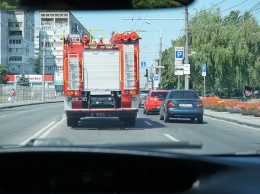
170,29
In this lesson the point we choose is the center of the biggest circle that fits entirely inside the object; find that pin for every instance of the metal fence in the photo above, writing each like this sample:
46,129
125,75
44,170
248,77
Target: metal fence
25,93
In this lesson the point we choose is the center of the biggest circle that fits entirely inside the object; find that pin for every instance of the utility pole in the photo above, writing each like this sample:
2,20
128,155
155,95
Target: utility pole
43,70
186,61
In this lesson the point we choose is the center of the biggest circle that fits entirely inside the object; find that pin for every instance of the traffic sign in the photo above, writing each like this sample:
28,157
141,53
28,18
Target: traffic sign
186,69
179,53
156,79
143,64
203,69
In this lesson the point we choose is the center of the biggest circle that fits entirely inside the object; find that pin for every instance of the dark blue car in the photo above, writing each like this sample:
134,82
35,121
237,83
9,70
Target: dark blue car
182,104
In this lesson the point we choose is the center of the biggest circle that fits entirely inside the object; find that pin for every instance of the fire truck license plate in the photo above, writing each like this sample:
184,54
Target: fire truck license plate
102,114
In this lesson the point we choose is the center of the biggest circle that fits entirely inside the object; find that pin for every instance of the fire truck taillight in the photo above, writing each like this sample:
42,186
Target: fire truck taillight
132,92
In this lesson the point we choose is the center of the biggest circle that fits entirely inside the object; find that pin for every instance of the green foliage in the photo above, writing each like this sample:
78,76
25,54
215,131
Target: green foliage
10,4
23,81
37,65
150,4
3,74
229,46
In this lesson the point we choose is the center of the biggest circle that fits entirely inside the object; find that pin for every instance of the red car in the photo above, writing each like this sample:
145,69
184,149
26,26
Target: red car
153,101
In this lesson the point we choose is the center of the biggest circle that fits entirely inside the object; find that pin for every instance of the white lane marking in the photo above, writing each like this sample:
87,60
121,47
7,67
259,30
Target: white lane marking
36,134
3,115
47,132
172,138
148,123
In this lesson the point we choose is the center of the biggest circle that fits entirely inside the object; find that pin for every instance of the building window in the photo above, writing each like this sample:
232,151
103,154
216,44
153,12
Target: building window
15,32
49,61
15,50
15,24
61,21
48,68
15,41
47,22
15,58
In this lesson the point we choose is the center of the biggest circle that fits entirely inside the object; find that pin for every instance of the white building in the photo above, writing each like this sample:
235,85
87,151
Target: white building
54,25
17,41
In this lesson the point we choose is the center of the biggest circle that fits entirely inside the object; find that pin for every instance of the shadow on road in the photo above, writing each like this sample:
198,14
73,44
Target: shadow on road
185,121
115,124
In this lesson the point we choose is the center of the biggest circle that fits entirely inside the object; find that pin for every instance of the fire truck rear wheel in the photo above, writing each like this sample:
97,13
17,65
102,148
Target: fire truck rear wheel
129,122
72,122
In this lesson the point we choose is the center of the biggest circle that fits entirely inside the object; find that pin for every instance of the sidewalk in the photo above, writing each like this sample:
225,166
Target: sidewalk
248,120
16,104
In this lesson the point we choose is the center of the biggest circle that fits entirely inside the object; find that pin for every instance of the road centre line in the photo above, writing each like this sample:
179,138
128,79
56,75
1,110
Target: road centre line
36,134
47,132
170,137
148,123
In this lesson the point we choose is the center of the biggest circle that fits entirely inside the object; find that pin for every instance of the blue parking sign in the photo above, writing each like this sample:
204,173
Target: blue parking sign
143,64
179,53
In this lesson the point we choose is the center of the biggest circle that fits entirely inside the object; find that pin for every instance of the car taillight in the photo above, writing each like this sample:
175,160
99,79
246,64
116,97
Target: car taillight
200,105
170,105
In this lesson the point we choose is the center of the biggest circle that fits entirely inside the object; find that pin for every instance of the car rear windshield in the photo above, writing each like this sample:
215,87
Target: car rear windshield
159,94
184,94
144,92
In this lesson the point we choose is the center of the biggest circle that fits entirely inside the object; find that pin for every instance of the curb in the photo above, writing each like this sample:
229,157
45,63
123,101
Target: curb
29,104
234,121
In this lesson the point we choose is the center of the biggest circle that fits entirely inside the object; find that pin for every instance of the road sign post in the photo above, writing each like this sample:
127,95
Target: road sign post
179,56
203,70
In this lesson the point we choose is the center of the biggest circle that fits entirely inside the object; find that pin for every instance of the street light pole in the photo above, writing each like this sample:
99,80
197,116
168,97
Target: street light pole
160,54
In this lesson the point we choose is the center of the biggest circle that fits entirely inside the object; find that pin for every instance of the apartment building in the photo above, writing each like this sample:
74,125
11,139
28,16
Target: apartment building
17,41
54,25
3,40
21,42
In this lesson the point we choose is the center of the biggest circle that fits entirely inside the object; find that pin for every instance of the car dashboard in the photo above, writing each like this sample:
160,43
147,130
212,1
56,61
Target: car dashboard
64,170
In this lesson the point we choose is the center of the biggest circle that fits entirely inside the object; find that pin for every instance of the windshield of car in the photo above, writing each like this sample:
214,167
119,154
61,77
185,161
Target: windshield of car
80,75
184,94
158,94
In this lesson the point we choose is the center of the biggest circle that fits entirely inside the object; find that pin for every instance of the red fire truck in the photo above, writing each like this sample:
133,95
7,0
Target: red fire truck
101,77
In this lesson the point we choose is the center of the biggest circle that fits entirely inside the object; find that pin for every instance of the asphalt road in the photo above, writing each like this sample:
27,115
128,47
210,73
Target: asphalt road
21,124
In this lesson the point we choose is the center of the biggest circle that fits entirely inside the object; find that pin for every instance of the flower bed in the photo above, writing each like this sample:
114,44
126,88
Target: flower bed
232,106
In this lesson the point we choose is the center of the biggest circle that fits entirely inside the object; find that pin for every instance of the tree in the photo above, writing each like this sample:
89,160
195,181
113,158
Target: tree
3,74
149,4
229,46
23,81
37,65
10,4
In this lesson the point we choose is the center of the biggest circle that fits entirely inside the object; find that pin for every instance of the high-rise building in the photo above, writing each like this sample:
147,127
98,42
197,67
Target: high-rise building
17,41
54,25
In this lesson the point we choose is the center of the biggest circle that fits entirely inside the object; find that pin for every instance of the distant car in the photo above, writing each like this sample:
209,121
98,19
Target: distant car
142,100
153,101
141,95
182,104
